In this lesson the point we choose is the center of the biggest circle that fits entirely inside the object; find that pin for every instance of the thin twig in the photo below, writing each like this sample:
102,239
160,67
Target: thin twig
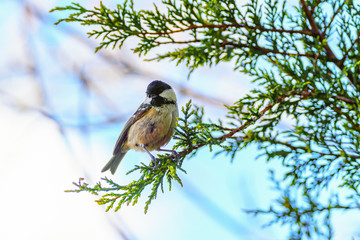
176,42
316,31
315,5
349,49
225,26
333,17
242,127
355,125
266,50
344,99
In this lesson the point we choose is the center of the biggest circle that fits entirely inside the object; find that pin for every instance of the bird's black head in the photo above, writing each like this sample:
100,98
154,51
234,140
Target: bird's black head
160,93
156,87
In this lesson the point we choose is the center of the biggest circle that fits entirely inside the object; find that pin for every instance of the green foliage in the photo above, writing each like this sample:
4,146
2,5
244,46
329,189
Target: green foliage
304,58
116,195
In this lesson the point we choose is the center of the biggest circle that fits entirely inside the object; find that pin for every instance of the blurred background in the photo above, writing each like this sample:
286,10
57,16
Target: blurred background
62,108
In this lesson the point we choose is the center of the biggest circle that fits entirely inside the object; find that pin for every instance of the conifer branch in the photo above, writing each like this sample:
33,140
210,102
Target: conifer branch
300,77
316,31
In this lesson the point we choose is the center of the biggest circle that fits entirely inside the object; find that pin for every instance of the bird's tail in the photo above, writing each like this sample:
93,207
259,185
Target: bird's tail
114,162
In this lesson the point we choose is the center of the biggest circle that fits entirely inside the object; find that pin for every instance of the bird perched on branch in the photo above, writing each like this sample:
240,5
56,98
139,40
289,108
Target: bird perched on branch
151,126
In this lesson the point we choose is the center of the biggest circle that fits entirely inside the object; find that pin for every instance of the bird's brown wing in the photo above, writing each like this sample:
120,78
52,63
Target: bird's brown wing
142,110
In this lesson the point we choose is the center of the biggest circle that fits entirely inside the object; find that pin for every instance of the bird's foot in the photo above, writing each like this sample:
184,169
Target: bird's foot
154,163
175,156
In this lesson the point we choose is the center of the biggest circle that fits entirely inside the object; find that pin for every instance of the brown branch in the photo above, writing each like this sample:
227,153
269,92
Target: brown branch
262,113
120,64
303,95
266,50
344,99
351,47
316,31
225,26
338,110
240,45
263,29
176,42
286,144
242,127
333,16
315,5
314,151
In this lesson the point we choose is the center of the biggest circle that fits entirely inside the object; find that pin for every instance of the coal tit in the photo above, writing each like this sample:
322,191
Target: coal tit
151,126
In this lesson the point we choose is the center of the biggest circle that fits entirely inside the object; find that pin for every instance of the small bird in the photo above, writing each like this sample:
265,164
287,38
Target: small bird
151,126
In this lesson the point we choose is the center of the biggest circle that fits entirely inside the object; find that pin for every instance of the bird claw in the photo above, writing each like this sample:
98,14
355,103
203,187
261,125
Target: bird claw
153,163
175,156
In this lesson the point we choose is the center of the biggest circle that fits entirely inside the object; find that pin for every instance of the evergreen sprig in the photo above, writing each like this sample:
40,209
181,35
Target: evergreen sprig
304,58
114,195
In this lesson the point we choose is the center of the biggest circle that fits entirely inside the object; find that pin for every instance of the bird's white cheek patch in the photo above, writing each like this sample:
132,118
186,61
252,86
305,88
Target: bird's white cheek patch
168,94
